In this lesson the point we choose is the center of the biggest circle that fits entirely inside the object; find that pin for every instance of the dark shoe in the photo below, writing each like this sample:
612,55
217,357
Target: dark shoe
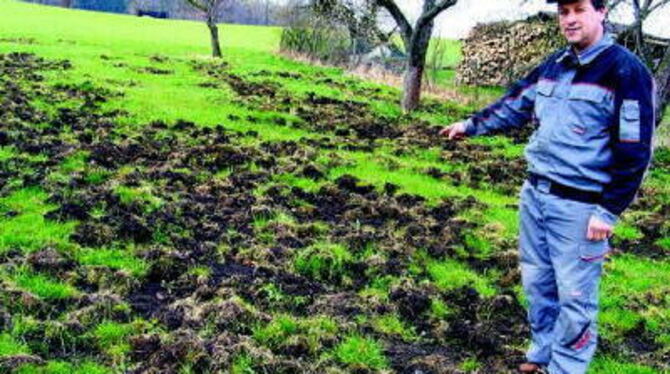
531,368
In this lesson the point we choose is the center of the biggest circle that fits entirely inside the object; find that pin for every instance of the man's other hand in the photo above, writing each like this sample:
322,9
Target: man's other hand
455,131
598,230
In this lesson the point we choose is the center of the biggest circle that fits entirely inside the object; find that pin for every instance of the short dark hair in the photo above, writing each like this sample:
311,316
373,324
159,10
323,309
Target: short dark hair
598,4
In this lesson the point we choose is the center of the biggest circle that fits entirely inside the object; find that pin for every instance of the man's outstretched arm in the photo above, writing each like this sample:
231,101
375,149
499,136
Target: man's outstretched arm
514,109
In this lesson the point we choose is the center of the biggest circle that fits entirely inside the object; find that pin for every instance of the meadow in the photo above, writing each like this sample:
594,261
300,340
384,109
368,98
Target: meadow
165,212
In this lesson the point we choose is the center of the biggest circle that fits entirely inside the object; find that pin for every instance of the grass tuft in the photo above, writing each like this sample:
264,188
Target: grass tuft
323,261
27,229
450,275
42,285
359,352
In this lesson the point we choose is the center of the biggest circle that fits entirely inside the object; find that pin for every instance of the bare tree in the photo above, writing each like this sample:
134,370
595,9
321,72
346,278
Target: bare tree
416,39
211,9
359,17
643,45
633,34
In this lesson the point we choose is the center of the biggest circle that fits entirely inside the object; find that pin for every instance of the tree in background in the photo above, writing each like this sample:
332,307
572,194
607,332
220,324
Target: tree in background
359,17
655,52
632,35
662,76
211,9
336,32
416,39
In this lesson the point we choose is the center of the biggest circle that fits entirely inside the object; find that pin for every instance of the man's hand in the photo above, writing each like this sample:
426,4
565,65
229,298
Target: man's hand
598,230
455,131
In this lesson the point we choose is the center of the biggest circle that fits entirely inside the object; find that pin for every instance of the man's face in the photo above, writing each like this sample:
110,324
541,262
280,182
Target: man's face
581,23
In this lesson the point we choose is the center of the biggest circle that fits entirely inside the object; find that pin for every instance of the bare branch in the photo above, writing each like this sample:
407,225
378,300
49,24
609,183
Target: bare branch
406,30
209,7
197,4
658,5
430,14
416,41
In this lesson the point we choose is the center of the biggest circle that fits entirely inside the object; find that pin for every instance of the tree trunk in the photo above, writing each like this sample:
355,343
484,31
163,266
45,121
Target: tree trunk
412,88
66,3
416,65
214,32
640,45
662,77
416,40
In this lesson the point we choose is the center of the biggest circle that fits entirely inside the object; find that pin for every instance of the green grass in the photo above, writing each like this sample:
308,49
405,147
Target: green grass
7,153
9,346
447,52
131,33
359,352
625,278
392,325
108,333
610,365
74,163
262,221
439,309
83,37
664,243
285,330
277,331
448,49
96,176
478,245
451,274
306,184
501,146
504,219
323,261
135,40
369,168
470,365
626,231
62,367
28,230
663,134
117,259
142,195
243,364
379,287
42,285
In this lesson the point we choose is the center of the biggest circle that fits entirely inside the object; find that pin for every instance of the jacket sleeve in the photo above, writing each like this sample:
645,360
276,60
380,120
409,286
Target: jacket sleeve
514,109
632,140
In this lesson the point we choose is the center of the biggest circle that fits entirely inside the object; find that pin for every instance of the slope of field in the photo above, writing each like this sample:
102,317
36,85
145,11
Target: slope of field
161,211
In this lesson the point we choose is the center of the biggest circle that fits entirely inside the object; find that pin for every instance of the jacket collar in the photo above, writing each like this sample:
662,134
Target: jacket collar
586,56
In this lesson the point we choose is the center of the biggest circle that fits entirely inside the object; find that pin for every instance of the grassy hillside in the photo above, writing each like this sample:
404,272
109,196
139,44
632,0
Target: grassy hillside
163,210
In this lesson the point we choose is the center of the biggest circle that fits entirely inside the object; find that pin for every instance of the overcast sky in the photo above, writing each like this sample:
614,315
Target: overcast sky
456,21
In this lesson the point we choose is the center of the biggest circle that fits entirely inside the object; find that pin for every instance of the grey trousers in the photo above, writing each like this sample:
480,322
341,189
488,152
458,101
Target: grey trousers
561,272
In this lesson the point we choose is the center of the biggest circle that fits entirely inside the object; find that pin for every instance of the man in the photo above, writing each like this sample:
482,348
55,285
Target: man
593,106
